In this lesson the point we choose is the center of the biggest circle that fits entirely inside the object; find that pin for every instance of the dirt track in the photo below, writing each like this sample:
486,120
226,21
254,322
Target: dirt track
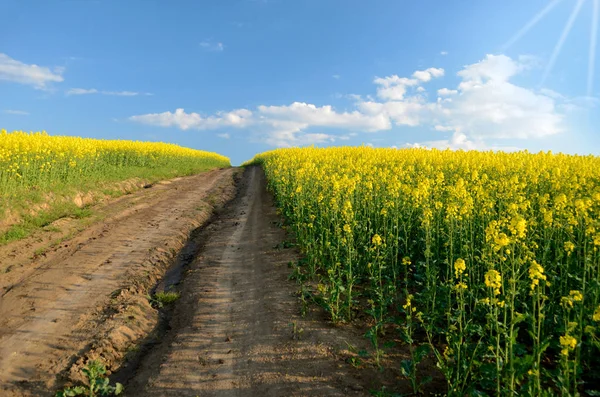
236,330
51,310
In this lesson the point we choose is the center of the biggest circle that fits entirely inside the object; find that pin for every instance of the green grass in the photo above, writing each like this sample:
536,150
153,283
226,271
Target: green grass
43,219
165,298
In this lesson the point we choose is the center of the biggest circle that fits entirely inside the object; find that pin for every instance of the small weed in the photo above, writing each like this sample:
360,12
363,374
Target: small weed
296,331
163,298
40,251
98,384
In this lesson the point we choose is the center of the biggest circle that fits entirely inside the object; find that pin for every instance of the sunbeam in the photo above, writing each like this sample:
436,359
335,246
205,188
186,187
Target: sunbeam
562,39
530,25
593,41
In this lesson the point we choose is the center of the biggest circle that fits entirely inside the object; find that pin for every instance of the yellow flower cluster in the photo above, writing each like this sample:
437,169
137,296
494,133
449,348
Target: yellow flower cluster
33,159
493,280
519,220
568,343
536,273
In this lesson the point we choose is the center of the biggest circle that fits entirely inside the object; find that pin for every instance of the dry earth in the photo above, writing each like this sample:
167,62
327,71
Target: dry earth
69,304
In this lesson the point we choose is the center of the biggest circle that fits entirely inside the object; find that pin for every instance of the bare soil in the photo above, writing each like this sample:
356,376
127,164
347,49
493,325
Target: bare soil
237,329
87,297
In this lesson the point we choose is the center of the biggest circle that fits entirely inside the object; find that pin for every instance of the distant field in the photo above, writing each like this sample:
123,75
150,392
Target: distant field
42,176
490,261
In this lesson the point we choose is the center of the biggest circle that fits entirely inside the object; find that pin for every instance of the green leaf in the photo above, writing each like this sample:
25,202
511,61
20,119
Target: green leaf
118,389
406,367
421,352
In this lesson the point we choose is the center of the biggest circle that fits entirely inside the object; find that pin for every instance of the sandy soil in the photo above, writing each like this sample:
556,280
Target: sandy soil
66,305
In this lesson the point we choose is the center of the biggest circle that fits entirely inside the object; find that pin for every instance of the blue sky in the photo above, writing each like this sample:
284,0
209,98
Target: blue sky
244,76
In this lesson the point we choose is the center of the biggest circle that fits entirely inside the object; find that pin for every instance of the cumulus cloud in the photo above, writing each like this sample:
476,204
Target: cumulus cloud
446,92
184,121
459,141
325,116
484,105
394,88
428,74
37,76
490,105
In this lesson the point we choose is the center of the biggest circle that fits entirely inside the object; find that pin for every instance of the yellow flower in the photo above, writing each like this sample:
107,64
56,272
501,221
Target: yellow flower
408,301
568,343
596,316
536,273
577,296
347,228
406,261
493,280
377,240
459,267
569,247
501,241
460,286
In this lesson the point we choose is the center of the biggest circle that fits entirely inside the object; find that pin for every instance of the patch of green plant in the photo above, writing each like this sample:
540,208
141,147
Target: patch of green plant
163,298
97,383
43,219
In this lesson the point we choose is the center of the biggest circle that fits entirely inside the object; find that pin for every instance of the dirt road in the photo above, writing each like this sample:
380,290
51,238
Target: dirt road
54,311
235,331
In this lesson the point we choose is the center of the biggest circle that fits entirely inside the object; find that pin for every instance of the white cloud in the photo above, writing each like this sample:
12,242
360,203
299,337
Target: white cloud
182,120
336,76
490,105
285,138
444,53
34,75
485,105
81,91
401,112
459,141
446,92
121,93
428,74
394,88
16,112
210,45
325,116
224,136
86,91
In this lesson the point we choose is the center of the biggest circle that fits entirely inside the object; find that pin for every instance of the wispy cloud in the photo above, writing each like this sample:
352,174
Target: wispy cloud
16,112
30,74
224,136
210,45
89,91
444,53
81,91
336,76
